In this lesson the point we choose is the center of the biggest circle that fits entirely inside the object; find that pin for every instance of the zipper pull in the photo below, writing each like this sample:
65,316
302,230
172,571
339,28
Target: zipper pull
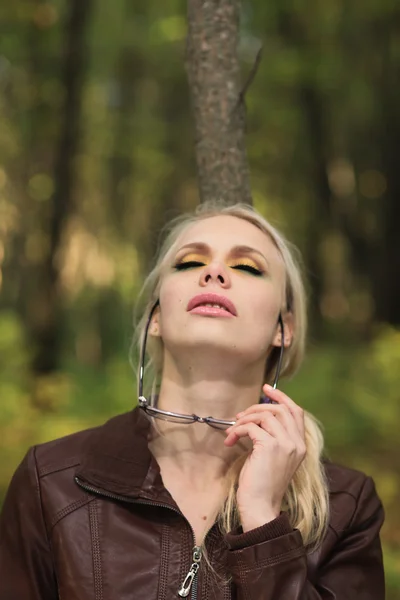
194,567
187,584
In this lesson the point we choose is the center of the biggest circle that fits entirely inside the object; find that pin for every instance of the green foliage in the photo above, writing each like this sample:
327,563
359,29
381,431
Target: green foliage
323,104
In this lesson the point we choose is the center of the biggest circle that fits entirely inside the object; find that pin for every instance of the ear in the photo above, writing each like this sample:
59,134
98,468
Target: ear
154,329
288,326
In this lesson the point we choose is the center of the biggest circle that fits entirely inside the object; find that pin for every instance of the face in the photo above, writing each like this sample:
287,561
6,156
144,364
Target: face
223,290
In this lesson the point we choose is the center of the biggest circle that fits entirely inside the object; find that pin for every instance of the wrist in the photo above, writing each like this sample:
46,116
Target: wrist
251,519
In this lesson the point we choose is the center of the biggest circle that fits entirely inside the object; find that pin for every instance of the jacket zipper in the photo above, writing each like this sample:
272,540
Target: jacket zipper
194,590
189,584
190,578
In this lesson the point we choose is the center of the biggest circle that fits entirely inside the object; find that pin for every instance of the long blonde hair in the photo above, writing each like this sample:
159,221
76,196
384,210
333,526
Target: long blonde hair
306,499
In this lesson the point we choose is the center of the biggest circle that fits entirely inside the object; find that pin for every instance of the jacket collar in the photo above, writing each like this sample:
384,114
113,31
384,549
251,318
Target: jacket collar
116,459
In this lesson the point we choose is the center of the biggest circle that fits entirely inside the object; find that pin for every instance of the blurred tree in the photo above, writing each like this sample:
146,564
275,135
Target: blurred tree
294,32
386,285
45,322
44,100
322,132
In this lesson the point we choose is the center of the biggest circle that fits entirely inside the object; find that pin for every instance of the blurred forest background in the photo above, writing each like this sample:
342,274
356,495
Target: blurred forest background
97,152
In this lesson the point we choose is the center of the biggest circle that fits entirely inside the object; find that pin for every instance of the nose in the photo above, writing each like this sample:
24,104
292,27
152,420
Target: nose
215,272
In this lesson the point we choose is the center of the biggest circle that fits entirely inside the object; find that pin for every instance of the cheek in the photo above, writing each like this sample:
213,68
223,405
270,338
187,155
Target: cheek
262,317
265,303
172,300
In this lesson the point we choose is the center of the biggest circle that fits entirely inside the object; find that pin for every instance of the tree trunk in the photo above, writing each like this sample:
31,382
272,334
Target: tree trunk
218,103
121,167
46,323
386,281
315,121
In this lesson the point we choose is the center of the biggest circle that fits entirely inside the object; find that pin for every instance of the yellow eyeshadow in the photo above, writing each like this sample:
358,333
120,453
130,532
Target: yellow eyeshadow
204,259
244,261
193,256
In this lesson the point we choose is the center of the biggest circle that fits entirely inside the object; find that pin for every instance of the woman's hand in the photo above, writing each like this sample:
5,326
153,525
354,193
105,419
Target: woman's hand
278,435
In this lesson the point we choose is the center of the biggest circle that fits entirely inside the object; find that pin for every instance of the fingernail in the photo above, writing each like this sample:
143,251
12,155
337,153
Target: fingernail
239,415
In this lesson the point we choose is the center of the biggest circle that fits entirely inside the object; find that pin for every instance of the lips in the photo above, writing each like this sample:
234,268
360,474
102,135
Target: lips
204,299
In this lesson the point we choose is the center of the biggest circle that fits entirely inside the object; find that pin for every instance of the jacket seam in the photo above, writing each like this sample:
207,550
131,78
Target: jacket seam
357,502
206,581
243,579
96,552
334,530
185,550
54,468
165,544
228,590
45,527
332,493
124,489
69,509
279,558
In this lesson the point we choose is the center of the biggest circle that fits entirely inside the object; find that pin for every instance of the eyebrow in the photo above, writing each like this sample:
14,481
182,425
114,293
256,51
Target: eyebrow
236,250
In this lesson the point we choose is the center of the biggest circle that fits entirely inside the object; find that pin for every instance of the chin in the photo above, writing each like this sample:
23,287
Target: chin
210,344
216,335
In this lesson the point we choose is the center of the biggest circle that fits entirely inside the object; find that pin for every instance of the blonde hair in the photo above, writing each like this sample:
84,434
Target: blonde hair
306,500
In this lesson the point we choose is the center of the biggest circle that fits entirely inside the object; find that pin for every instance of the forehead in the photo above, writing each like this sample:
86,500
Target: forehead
223,232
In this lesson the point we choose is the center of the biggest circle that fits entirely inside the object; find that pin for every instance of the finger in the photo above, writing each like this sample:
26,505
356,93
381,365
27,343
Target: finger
287,432
257,416
254,408
281,413
251,430
295,409
257,432
283,410
262,408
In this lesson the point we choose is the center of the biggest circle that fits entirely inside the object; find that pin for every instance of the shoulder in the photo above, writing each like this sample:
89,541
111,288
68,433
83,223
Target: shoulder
353,497
49,468
67,451
343,479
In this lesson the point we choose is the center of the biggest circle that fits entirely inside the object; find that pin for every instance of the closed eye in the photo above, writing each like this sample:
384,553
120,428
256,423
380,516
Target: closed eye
193,264
249,269
190,264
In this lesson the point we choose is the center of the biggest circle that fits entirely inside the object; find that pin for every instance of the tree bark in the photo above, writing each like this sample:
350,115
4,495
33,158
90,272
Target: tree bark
217,100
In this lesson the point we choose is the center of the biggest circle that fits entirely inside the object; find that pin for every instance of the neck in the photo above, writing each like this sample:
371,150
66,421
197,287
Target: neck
196,452
210,384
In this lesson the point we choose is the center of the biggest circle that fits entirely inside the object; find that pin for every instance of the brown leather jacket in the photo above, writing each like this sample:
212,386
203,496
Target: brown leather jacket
87,517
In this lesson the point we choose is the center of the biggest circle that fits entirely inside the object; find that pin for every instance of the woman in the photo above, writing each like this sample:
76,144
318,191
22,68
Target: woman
164,502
